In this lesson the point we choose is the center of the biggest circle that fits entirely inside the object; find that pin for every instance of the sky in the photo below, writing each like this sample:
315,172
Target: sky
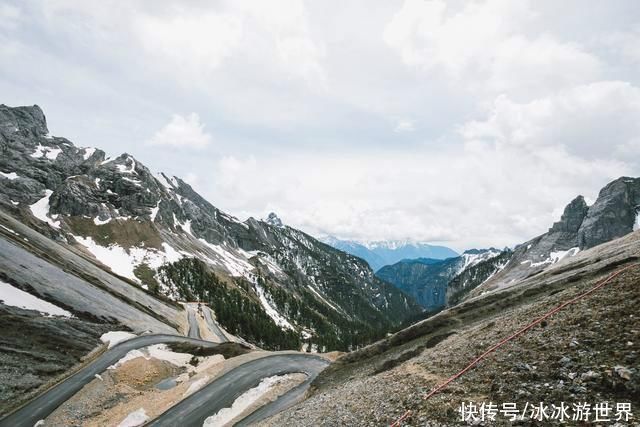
466,123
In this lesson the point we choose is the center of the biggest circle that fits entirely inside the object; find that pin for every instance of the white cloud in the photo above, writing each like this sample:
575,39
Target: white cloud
484,46
598,120
467,195
194,39
505,181
404,125
10,16
625,43
182,131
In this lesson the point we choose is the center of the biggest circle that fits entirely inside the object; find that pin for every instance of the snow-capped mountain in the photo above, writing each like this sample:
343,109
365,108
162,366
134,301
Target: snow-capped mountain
152,228
381,253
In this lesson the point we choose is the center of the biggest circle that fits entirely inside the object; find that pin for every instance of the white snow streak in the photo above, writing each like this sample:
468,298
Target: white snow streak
135,419
40,210
88,152
557,256
122,262
226,415
48,152
10,295
10,176
115,337
271,311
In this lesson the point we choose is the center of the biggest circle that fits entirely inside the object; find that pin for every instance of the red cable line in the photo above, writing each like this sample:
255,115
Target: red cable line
515,335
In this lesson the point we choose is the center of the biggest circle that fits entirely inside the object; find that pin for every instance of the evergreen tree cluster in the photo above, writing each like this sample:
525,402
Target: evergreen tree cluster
235,310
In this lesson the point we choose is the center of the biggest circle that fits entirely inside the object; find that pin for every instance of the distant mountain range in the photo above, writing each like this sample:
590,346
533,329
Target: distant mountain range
381,253
427,279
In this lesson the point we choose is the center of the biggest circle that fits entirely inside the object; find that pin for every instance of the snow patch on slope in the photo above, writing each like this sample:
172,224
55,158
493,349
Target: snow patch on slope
556,256
135,419
10,295
40,210
234,264
323,299
48,152
88,152
471,259
271,311
244,401
10,176
154,211
116,337
123,263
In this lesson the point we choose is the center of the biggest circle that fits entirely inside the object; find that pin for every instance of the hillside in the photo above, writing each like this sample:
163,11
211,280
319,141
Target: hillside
587,352
115,212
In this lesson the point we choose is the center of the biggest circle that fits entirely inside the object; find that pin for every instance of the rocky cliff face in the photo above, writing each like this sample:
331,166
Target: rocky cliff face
115,212
614,214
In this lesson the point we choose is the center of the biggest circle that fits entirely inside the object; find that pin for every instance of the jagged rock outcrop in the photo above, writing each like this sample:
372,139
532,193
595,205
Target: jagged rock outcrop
613,214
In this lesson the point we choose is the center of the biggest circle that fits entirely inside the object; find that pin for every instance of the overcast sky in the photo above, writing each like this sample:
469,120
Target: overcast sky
470,123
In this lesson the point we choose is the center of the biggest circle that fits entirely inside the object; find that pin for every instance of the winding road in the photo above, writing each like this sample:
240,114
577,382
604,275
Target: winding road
194,329
213,326
43,405
192,411
222,392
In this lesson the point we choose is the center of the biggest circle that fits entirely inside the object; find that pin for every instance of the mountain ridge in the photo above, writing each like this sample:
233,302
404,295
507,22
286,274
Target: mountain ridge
116,213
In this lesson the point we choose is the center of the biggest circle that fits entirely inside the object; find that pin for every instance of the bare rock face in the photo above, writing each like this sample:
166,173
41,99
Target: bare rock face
613,214
572,217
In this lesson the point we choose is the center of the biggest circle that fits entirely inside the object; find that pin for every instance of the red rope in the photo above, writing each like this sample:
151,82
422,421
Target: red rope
515,335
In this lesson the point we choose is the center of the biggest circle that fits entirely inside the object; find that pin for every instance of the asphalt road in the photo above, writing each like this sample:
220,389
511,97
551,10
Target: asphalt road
285,401
213,326
222,392
43,405
194,330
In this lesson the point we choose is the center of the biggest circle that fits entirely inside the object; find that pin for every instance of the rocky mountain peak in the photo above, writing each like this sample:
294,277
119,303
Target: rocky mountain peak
273,219
22,119
613,214
572,217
